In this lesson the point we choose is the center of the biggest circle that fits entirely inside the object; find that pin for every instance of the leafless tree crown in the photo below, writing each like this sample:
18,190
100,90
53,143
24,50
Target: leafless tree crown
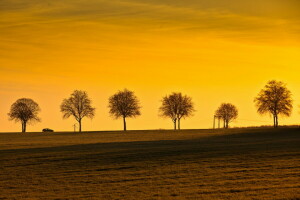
176,106
274,99
227,112
24,110
77,105
124,104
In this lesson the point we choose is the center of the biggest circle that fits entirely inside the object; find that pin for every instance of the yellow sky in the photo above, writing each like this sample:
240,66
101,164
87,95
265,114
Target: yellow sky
215,51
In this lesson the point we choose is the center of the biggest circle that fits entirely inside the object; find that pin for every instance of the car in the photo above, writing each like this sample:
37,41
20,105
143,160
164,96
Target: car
47,130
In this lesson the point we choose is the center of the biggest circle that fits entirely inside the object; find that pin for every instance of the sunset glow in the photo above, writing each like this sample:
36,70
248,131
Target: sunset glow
214,51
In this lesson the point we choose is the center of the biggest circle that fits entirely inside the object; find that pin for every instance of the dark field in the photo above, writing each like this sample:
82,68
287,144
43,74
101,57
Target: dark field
191,164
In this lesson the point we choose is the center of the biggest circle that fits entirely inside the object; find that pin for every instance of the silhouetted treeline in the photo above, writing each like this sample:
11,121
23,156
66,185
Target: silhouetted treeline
274,99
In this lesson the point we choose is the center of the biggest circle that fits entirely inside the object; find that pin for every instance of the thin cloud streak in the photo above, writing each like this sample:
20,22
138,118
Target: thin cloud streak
153,14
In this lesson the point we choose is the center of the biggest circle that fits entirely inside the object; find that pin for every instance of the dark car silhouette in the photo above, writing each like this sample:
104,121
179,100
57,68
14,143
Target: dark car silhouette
47,130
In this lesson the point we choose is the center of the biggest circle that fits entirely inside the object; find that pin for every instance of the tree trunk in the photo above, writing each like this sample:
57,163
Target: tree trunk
214,122
224,123
124,123
24,127
178,124
276,121
174,121
79,125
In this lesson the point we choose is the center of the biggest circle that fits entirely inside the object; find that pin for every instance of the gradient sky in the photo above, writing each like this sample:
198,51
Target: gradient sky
214,51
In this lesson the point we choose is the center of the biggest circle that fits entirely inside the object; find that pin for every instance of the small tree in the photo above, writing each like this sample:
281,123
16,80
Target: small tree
176,106
24,110
77,105
169,108
227,112
274,99
124,104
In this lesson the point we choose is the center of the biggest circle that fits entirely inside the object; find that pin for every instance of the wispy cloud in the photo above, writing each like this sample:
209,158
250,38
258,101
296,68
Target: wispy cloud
218,14
100,29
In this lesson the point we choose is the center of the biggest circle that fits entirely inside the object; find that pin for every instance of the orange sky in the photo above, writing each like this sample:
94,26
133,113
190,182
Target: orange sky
215,51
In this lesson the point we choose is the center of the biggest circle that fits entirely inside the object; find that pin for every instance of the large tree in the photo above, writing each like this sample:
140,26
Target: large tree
77,105
176,106
124,104
227,112
24,110
274,99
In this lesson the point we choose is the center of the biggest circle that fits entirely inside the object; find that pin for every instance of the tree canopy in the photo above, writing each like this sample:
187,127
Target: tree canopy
124,104
24,110
274,99
176,106
227,112
77,105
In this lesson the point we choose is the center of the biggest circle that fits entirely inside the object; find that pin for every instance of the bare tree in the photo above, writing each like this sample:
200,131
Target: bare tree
24,110
124,104
169,108
77,105
274,99
227,112
176,106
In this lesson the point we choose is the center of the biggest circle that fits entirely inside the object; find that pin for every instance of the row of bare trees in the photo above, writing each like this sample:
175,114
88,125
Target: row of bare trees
274,99
123,104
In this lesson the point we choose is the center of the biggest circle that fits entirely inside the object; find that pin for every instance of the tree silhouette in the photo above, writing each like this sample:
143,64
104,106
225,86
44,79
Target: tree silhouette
176,106
77,105
24,110
227,112
274,99
124,104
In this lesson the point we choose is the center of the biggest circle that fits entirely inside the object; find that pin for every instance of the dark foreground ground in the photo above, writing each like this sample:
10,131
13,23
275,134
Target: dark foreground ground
194,164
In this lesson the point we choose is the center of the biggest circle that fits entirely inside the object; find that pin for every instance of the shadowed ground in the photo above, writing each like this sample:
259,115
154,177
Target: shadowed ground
190,164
